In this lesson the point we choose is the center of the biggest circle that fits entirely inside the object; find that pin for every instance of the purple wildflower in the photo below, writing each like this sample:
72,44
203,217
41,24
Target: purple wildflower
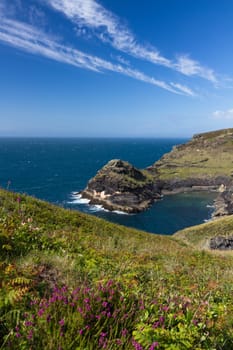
154,345
30,334
124,332
61,322
40,312
136,345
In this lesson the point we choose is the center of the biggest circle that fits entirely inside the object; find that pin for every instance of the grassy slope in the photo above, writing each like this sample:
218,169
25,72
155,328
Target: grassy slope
209,154
198,236
50,245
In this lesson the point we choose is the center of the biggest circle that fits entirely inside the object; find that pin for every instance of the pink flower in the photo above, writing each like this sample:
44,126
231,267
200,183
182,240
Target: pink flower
124,332
40,312
154,345
61,322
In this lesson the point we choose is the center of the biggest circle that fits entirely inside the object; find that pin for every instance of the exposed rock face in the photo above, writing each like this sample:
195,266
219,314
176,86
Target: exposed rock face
224,202
203,163
221,243
120,186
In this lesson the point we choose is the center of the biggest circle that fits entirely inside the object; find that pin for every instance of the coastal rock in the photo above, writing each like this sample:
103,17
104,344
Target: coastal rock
224,203
202,164
121,186
221,243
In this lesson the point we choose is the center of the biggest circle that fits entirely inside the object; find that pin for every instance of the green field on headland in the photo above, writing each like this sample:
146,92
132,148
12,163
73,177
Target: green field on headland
72,281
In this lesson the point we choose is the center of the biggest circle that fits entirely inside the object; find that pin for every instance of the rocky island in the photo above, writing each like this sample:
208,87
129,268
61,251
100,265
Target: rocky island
204,163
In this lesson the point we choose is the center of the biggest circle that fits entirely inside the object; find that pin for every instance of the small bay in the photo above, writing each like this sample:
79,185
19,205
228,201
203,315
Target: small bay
54,169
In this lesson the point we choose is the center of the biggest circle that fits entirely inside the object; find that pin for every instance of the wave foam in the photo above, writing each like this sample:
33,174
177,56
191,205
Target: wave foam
77,199
120,212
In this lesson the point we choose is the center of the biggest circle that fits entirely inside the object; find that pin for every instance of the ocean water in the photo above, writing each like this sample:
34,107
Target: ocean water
54,169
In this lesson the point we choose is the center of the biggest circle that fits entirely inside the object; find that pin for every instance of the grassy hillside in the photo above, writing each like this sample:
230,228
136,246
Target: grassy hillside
73,281
198,236
206,155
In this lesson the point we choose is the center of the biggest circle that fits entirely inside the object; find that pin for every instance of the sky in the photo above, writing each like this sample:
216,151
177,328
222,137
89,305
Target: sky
115,68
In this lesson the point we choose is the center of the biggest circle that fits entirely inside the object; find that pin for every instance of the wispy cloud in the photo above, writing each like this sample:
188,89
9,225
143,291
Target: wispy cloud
188,66
225,115
186,90
110,29
28,38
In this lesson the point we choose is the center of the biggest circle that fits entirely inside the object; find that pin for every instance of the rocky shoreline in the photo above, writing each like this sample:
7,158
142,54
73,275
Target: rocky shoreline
187,168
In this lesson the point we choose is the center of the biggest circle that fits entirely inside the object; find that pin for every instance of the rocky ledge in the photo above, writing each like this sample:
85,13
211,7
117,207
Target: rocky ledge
203,163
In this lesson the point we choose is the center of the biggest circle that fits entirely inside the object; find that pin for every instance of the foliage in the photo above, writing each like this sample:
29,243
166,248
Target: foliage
135,290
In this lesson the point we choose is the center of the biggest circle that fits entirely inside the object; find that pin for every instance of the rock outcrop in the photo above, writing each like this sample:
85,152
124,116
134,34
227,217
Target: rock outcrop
224,202
221,243
203,163
120,186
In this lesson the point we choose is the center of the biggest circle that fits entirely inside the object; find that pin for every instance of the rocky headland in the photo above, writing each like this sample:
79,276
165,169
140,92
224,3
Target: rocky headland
205,163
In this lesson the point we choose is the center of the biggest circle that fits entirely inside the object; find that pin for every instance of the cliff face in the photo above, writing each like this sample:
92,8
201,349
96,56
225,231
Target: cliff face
203,163
120,186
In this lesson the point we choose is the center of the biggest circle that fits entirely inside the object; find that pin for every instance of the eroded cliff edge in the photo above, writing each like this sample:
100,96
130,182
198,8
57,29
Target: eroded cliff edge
203,163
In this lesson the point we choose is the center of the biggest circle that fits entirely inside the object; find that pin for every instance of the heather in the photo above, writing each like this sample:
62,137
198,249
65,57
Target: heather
72,281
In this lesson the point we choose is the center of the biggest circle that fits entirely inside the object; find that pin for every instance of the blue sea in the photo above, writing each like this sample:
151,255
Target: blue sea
55,169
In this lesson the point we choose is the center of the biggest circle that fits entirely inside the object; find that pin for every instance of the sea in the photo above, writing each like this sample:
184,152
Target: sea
56,169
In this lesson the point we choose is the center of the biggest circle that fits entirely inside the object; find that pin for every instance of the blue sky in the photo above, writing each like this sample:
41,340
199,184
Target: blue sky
115,68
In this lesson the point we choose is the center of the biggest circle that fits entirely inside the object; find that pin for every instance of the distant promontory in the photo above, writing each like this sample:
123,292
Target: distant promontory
204,163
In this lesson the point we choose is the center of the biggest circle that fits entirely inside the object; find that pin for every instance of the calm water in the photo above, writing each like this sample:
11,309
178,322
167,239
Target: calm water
52,169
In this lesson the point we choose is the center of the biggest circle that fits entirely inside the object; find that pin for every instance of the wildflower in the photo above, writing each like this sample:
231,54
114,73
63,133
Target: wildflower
161,320
154,345
30,334
104,303
156,324
136,345
102,340
18,335
124,332
61,322
40,312
165,308
28,323
81,331
48,319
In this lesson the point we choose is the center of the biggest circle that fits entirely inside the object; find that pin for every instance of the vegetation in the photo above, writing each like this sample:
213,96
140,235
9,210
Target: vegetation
73,281
206,155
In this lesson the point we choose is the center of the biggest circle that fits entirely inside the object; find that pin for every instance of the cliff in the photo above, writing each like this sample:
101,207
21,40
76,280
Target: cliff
203,163
120,186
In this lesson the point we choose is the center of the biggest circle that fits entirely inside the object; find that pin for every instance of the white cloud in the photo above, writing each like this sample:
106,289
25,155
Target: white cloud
189,67
186,90
28,38
227,115
109,28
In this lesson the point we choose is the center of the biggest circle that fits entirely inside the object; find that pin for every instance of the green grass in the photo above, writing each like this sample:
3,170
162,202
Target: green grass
209,155
43,246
